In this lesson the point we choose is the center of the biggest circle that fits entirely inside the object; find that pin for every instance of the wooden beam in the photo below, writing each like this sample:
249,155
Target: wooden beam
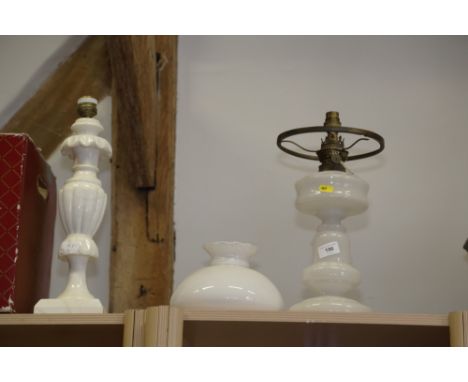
48,114
142,207
134,69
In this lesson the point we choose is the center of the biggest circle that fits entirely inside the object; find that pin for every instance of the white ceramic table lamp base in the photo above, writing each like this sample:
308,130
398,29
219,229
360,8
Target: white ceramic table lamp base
82,203
331,196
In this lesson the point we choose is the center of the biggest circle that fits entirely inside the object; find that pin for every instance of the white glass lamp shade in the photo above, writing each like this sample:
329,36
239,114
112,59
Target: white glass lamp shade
228,283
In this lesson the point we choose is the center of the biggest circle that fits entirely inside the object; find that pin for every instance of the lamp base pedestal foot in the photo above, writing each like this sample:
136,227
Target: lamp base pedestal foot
329,304
68,305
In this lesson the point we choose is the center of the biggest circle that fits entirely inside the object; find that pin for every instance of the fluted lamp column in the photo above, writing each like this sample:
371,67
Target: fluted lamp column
82,203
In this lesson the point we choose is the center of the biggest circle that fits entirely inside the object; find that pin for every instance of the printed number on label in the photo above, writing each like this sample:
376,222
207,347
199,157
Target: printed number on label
329,249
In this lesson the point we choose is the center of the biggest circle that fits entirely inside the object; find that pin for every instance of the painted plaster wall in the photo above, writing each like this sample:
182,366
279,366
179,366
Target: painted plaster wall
236,94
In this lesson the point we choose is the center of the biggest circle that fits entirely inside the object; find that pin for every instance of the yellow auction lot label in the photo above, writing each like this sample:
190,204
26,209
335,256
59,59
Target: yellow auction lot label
326,188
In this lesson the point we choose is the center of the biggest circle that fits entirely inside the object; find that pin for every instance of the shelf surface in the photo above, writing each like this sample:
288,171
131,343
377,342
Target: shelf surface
61,329
61,319
318,317
228,328
234,328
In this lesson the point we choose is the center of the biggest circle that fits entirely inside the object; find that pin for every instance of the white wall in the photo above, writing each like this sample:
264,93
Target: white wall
26,61
236,94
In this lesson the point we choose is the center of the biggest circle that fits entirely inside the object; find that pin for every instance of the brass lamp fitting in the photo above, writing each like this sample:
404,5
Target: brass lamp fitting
87,107
332,151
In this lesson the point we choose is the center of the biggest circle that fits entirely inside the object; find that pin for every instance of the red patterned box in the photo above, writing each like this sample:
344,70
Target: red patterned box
27,216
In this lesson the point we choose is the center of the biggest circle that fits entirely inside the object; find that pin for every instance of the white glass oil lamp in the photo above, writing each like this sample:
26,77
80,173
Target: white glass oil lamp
332,194
82,203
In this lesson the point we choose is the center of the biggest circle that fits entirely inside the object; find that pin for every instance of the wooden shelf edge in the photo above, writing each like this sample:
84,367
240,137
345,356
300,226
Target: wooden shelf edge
62,319
316,317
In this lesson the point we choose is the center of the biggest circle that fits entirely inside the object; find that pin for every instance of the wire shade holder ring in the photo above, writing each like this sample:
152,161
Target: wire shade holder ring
282,138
